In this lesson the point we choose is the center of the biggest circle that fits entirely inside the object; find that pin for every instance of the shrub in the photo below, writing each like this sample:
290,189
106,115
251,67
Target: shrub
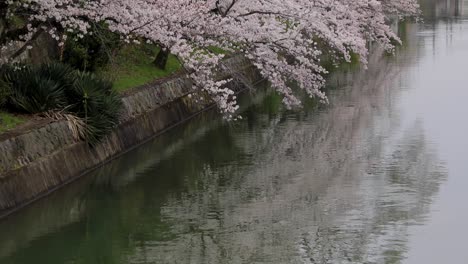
57,87
37,89
97,103
90,52
4,92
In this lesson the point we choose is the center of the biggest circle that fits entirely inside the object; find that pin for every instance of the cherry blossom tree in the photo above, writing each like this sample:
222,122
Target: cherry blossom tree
285,39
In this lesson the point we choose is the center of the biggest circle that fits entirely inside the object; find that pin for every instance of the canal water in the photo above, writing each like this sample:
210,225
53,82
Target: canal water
380,175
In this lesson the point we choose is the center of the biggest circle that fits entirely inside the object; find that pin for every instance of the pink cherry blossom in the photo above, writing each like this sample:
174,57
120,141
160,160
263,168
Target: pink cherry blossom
284,39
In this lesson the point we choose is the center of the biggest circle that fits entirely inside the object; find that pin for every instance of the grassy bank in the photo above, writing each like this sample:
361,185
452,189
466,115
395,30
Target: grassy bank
9,121
133,66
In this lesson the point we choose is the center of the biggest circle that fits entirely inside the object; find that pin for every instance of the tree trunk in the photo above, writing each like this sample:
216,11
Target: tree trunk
161,58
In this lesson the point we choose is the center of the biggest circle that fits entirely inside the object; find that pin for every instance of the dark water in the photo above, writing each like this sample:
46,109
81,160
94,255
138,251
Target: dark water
377,176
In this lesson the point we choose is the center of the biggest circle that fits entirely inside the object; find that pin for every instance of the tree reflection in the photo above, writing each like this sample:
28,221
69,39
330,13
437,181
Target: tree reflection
335,184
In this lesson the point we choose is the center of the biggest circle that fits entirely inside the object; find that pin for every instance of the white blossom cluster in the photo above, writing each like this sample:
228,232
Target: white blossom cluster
284,39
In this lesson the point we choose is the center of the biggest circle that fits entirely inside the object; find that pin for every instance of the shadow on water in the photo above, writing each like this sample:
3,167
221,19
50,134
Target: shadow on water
341,183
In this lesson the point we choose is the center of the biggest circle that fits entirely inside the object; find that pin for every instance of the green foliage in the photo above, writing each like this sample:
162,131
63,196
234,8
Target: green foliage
4,92
91,51
52,87
96,103
37,89
77,55
133,66
16,21
218,50
9,121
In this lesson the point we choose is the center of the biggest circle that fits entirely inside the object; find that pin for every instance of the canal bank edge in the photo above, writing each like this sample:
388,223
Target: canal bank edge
40,160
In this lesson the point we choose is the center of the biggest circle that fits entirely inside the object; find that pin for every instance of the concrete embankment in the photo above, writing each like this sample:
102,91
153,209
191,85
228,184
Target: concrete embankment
47,155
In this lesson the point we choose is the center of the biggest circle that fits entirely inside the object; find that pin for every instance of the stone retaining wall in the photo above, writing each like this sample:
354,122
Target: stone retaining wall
45,158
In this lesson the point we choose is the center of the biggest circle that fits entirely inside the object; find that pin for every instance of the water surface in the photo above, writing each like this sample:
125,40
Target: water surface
377,176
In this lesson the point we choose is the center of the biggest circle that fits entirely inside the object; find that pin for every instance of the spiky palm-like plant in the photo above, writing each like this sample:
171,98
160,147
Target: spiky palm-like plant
97,103
36,89
57,87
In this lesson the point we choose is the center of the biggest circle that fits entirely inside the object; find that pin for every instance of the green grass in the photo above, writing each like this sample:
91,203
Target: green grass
218,51
9,121
133,66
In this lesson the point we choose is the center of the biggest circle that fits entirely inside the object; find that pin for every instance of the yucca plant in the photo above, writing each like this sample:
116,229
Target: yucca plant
97,103
57,87
37,89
